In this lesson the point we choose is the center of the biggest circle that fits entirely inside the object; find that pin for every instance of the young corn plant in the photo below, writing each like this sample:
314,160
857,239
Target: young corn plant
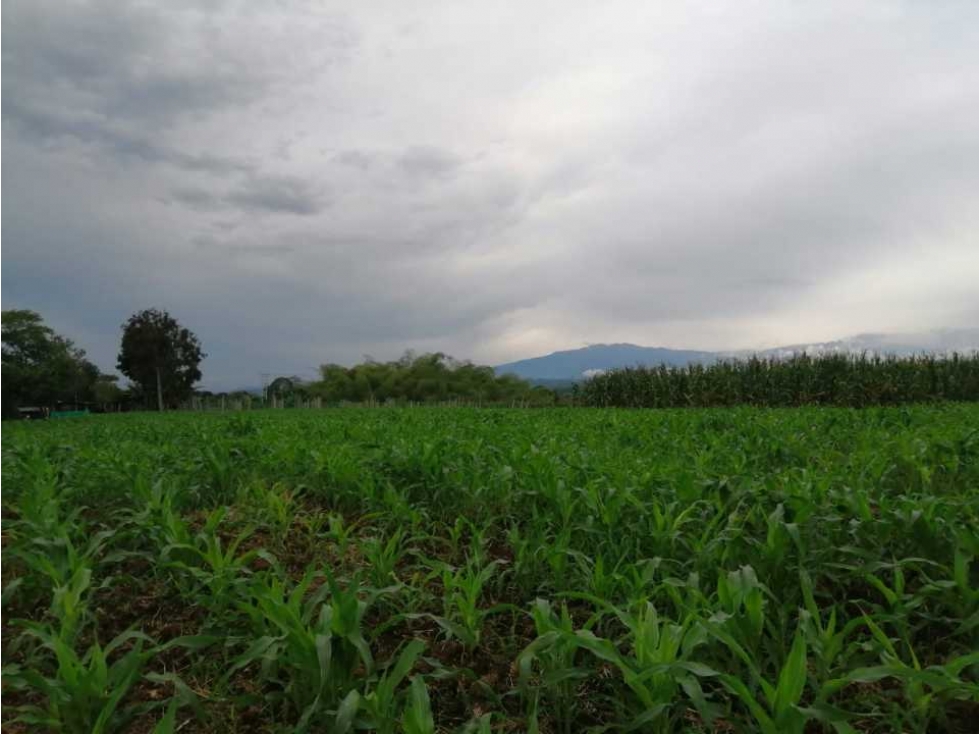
547,667
282,507
383,556
341,532
527,568
41,511
309,646
155,524
275,506
822,636
153,506
927,690
742,600
463,618
207,572
654,658
417,717
601,582
778,708
381,706
899,605
219,479
67,572
84,693
657,666
959,592
466,539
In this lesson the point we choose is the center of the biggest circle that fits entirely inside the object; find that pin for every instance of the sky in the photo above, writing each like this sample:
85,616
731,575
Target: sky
302,183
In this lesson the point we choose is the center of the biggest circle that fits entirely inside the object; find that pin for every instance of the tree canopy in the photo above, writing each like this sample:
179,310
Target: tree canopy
160,357
432,377
41,367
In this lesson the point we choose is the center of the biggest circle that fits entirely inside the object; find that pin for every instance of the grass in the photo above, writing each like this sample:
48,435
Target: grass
444,570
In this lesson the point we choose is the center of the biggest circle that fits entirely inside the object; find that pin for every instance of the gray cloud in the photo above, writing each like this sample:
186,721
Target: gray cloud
345,180
277,194
123,77
428,162
356,159
256,194
53,127
195,197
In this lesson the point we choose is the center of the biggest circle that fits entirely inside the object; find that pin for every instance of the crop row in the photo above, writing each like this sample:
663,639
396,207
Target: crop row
463,570
831,379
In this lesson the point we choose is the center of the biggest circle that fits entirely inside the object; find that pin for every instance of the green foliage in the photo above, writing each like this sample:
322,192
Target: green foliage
309,646
834,379
41,368
161,358
209,572
83,693
106,390
421,570
382,706
418,717
428,378
463,616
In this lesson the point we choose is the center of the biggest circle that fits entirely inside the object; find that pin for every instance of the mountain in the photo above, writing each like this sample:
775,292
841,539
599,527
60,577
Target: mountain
576,364
938,341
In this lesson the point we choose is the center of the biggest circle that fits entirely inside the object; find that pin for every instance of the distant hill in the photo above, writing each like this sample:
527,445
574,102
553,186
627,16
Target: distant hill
926,342
577,364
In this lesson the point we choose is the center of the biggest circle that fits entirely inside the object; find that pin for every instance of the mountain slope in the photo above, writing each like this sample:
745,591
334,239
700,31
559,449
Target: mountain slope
933,342
574,364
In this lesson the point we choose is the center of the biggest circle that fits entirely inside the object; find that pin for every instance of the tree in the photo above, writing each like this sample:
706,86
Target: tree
160,357
106,390
41,367
423,378
281,386
286,390
334,385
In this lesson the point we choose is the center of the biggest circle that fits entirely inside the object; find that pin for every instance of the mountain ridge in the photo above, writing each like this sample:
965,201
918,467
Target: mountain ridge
576,364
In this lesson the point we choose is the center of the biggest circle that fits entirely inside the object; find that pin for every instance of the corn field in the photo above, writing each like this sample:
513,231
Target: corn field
834,379
461,570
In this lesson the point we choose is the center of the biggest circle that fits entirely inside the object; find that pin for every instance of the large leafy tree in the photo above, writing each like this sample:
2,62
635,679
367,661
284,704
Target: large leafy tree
160,357
41,367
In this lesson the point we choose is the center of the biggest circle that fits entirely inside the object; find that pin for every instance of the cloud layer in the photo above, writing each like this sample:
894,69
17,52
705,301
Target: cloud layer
308,182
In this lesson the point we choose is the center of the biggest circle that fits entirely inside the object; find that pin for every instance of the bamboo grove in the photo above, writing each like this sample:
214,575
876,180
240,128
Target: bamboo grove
832,379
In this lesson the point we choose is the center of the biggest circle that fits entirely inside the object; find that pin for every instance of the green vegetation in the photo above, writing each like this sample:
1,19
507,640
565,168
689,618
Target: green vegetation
836,379
422,570
160,357
162,361
426,378
45,370
41,368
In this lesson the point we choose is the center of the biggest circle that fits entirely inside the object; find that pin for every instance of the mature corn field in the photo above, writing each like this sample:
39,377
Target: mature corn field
843,380
422,570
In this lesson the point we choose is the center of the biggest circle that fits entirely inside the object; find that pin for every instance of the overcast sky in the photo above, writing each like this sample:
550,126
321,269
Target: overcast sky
301,183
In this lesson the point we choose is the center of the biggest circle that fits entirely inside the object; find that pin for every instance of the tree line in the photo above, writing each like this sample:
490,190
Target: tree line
854,380
161,360
43,369
425,378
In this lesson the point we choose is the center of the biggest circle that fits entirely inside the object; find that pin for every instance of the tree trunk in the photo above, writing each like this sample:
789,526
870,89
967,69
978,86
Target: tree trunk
159,390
